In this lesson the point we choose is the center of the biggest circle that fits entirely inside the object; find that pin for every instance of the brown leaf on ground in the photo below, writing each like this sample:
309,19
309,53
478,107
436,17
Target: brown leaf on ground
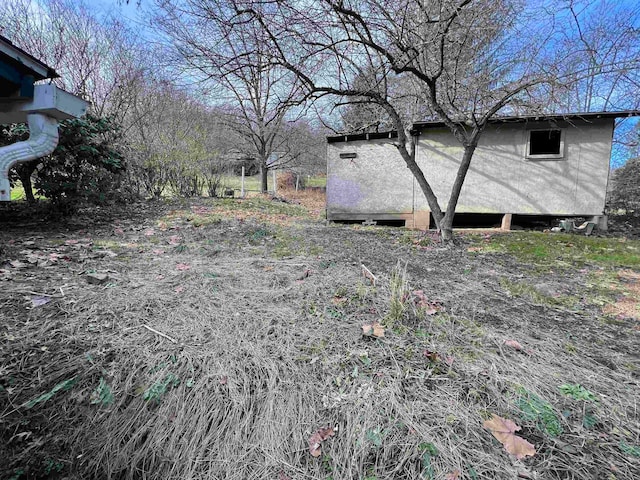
183,266
431,355
283,476
514,344
315,440
373,330
504,430
455,475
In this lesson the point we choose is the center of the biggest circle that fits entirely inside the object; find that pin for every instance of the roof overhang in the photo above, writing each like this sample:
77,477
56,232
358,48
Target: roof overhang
26,63
420,126
557,117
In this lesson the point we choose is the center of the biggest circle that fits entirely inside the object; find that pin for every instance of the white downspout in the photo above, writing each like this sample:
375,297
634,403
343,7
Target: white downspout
43,139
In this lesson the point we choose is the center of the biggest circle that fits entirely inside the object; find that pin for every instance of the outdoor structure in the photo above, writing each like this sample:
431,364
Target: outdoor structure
41,106
555,165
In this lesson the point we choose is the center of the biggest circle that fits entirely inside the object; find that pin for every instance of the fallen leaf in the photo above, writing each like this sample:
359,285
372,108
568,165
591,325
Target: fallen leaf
315,440
39,301
183,266
223,380
514,344
118,231
455,475
432,356
283,476
373,330
150,232
158,251
504,430
179,289
174,240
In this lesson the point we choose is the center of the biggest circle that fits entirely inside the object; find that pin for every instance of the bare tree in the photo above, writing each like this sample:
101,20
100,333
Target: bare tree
258,94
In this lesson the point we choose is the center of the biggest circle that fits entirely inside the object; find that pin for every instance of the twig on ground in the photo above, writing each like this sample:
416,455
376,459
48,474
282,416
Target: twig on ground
151,329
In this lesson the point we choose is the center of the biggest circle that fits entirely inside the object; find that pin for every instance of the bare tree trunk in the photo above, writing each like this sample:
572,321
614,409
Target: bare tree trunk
24,173
264,172
446,224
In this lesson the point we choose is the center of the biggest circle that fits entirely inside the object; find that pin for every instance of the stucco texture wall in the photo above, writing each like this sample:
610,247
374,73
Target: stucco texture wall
501,179
376,181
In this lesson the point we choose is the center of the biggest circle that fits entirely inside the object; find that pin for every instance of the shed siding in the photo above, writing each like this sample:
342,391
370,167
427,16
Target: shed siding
375,182
500,179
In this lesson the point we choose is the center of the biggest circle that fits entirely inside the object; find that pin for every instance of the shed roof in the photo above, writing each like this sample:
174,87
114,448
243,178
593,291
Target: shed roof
542,118
585,116
24,62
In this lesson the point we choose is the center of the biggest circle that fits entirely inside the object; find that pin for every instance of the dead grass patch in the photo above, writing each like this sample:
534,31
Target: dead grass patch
627,304
247,354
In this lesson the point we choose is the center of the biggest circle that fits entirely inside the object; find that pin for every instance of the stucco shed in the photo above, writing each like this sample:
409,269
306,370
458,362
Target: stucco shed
556,165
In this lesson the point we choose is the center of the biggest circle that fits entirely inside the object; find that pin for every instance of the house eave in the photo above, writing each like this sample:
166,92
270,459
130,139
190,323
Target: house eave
420,126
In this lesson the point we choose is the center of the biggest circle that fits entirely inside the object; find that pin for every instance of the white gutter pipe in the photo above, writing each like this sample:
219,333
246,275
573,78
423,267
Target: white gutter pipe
43,139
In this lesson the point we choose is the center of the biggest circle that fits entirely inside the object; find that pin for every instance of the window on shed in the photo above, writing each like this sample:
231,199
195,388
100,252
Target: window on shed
545,144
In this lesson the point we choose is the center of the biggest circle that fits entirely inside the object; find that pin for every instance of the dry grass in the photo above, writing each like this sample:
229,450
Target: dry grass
265,349
628,303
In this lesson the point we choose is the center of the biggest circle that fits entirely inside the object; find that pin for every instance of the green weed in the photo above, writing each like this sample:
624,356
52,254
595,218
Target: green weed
522,289
160,387
375,436
627,449
429,452
335,313
577,392
62,386
102,394
257,236
52,466
17,474
562,250
535,409
203,220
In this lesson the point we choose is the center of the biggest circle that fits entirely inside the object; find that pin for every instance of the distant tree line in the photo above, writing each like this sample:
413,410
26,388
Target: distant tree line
166,138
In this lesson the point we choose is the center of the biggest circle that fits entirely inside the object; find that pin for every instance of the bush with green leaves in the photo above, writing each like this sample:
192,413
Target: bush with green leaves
625,188
85,166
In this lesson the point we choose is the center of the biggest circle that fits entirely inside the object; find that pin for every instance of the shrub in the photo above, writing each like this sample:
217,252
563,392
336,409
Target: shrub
625,191
85,166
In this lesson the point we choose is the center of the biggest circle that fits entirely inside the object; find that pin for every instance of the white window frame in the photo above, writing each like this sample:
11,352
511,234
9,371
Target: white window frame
544,156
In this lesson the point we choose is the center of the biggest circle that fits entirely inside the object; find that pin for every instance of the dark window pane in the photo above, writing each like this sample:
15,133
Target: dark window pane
544,142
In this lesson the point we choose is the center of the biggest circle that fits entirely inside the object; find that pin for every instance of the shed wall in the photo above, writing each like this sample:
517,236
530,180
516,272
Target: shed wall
377,184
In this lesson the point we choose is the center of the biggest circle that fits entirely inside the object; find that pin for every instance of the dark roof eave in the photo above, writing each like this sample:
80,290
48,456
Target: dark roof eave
510,119
362,136
543,118
46,72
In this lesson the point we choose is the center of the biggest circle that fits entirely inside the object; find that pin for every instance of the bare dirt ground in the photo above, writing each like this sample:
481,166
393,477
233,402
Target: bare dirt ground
239,339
